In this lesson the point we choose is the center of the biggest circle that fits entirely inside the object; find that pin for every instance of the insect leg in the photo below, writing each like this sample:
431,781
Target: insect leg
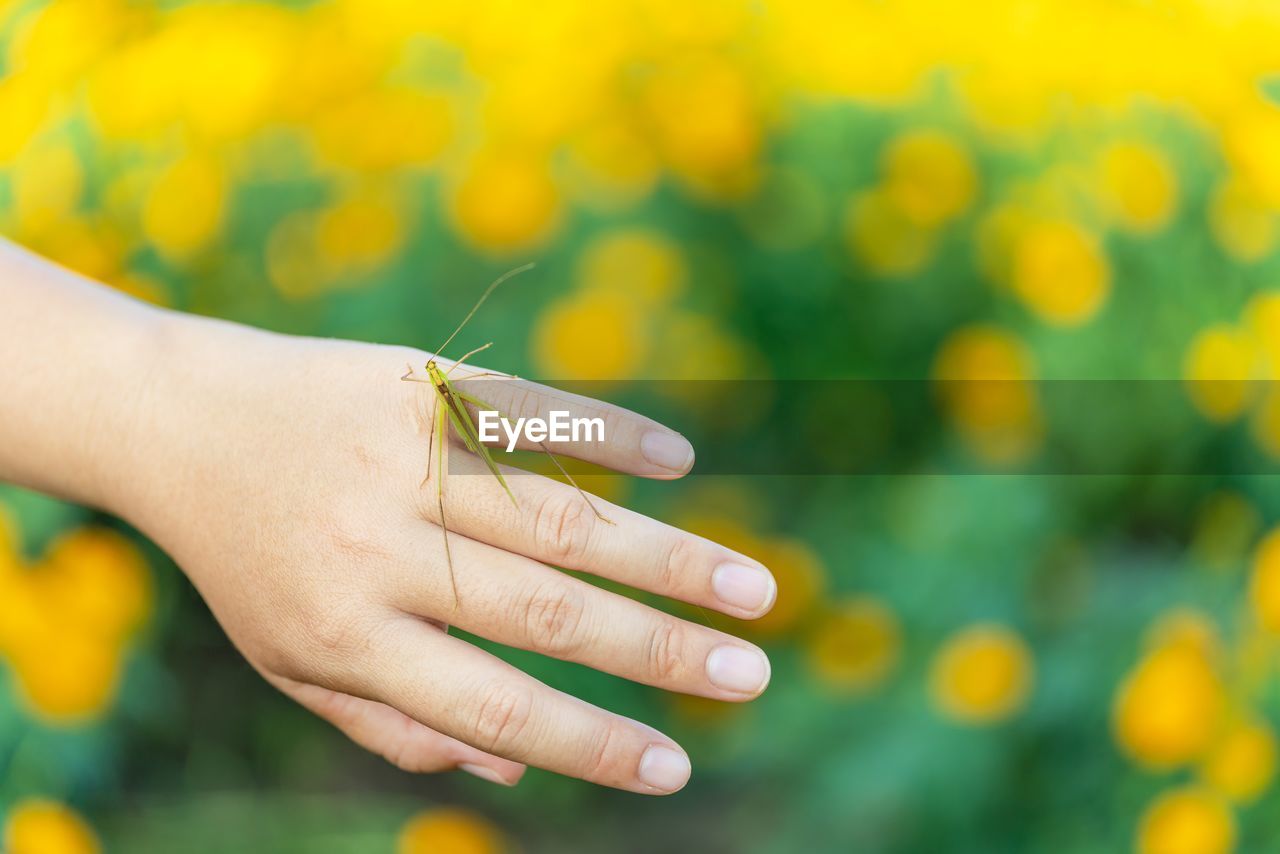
431,444
468,356
574,484
438,438
410,378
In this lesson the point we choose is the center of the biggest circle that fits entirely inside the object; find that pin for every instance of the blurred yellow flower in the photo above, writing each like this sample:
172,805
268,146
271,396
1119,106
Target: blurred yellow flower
1189,820
47,182
1261,322
591,335
8,538
929,176
801,578
702,111
798,570
698,347
883,238
340,50
1264,590
708,24
539,102
382,27
1251,140
638,262
360,232
294,264
381,129
1138,186
59,39
65,677
449,831
505,202
983,353
142,287
863,52
131,94
25,107
1168,708
982,675
1218,369
39,826
97,581
1242,223
1186,627
1009,106
123,193
855,644
217,71
65,621
611,164
184,210
1242,762
1060,272
93,247
983,375
227,64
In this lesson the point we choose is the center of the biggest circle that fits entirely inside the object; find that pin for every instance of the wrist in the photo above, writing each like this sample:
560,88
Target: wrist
122,410
76,357
178,361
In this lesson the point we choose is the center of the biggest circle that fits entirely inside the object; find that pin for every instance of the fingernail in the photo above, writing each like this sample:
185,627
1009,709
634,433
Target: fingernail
483,772
747,587
669,450
663,768
744,671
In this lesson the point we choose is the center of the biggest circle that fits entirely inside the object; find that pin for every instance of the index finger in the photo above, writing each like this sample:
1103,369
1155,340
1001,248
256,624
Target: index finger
627,441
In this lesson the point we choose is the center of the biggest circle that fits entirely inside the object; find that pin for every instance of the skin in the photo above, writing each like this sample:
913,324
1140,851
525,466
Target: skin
284,476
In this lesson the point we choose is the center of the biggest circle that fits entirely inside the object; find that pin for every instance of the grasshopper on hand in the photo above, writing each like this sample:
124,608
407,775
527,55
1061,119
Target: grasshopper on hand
451,409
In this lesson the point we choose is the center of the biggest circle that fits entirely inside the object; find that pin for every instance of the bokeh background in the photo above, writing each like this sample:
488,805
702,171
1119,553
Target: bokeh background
725,190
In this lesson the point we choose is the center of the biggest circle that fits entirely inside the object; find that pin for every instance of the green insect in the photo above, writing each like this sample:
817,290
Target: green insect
451,409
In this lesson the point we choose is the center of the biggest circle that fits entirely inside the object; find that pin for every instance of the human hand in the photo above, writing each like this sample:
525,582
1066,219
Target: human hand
284,475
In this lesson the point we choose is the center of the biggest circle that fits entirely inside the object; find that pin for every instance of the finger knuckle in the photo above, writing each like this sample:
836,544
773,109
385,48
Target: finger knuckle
524,403
602,758
562,528
351,543
552,618
315,646
406,752
282,660
674,568
502,716
400,755
337,635
663,651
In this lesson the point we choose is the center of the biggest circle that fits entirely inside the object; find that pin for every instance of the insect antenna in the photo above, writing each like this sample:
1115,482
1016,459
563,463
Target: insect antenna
507,275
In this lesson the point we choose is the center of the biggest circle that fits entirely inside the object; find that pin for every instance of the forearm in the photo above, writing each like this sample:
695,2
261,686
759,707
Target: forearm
76,359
